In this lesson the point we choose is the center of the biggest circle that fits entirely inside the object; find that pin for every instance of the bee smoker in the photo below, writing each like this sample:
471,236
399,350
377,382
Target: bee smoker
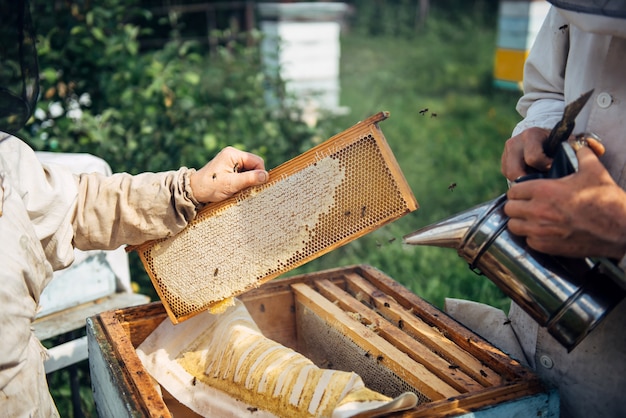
567,296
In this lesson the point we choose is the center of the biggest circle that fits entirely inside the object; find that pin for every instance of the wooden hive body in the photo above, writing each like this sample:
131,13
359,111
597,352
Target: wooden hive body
352,318
326,197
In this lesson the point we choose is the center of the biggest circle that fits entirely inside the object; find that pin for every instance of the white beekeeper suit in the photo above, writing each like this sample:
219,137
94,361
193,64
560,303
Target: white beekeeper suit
574,52
45,213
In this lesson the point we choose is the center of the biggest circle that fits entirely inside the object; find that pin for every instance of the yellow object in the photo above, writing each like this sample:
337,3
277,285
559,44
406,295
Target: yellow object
509,64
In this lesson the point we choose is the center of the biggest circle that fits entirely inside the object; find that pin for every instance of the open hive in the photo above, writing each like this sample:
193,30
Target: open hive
324,198
351,318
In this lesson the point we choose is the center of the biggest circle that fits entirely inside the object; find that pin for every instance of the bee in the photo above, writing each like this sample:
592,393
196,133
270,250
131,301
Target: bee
386,304
347,213
452,186
563,28
194,381
483,373
392,239
379,358
433,115
252,409
217,270
367,354
236,168
423,111
453,366
214,176
363,212
507,322
400,323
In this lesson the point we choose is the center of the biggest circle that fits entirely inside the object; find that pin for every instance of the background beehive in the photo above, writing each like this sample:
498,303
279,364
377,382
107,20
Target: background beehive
320,200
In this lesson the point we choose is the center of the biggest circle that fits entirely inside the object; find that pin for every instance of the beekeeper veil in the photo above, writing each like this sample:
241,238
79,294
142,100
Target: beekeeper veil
610,8
19,73
602,17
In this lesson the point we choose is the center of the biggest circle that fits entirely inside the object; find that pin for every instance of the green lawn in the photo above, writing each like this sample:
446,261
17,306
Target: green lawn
447,70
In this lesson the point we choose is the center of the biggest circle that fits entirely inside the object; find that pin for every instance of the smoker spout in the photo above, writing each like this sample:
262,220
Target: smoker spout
450,232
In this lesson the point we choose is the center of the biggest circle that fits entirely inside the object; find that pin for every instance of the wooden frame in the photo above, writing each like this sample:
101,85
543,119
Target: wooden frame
324,198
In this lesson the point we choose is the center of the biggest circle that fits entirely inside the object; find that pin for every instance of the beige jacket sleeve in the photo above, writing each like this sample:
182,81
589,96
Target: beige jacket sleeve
126,209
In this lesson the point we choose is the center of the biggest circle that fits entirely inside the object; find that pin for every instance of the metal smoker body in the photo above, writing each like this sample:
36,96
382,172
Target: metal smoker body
567,296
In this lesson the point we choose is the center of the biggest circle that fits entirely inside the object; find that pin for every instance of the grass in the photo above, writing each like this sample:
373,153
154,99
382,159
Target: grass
447,69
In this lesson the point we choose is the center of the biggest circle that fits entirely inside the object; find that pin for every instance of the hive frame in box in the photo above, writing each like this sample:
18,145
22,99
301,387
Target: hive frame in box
324,198
349,300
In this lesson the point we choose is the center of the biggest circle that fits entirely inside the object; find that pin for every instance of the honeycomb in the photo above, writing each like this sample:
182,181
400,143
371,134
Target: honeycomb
324,198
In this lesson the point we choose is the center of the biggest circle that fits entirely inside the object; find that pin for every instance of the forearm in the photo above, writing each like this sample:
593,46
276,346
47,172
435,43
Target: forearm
124,209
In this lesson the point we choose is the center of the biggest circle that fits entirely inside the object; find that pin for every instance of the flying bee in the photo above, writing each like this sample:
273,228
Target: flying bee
433,115
423,111
452,186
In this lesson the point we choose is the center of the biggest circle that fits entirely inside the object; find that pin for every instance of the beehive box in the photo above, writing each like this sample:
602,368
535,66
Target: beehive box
519,22
355,319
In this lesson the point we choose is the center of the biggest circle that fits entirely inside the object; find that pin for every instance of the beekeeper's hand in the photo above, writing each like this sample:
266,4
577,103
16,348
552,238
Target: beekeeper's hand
579,215
229,172
523,154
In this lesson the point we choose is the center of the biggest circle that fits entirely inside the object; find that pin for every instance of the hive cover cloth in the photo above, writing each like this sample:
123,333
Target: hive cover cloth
322,199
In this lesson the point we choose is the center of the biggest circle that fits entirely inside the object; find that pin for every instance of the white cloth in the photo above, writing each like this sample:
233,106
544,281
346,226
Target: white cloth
221,365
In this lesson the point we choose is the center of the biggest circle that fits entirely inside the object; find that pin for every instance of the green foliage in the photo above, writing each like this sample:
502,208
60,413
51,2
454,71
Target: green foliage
411,18
161,109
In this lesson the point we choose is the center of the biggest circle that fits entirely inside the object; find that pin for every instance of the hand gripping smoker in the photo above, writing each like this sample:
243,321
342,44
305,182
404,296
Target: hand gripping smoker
567,296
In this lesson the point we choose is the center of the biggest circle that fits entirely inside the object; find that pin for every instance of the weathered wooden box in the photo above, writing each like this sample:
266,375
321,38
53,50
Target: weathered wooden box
354,318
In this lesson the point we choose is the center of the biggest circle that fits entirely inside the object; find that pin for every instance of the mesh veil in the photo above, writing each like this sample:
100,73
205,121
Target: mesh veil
611,8
19,73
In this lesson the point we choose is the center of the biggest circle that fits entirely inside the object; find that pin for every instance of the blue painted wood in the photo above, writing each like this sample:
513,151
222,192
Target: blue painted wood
544,405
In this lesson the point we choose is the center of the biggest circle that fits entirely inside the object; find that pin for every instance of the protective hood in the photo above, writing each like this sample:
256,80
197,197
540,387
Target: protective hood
609,18
19,72
610,8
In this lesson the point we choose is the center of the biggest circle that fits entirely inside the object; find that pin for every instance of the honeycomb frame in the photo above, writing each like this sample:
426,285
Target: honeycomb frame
322,199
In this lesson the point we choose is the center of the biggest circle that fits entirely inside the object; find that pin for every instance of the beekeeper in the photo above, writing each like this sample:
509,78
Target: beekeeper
581,46
47,211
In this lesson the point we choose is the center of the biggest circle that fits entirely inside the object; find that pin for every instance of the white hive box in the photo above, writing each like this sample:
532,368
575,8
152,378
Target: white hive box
301,43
